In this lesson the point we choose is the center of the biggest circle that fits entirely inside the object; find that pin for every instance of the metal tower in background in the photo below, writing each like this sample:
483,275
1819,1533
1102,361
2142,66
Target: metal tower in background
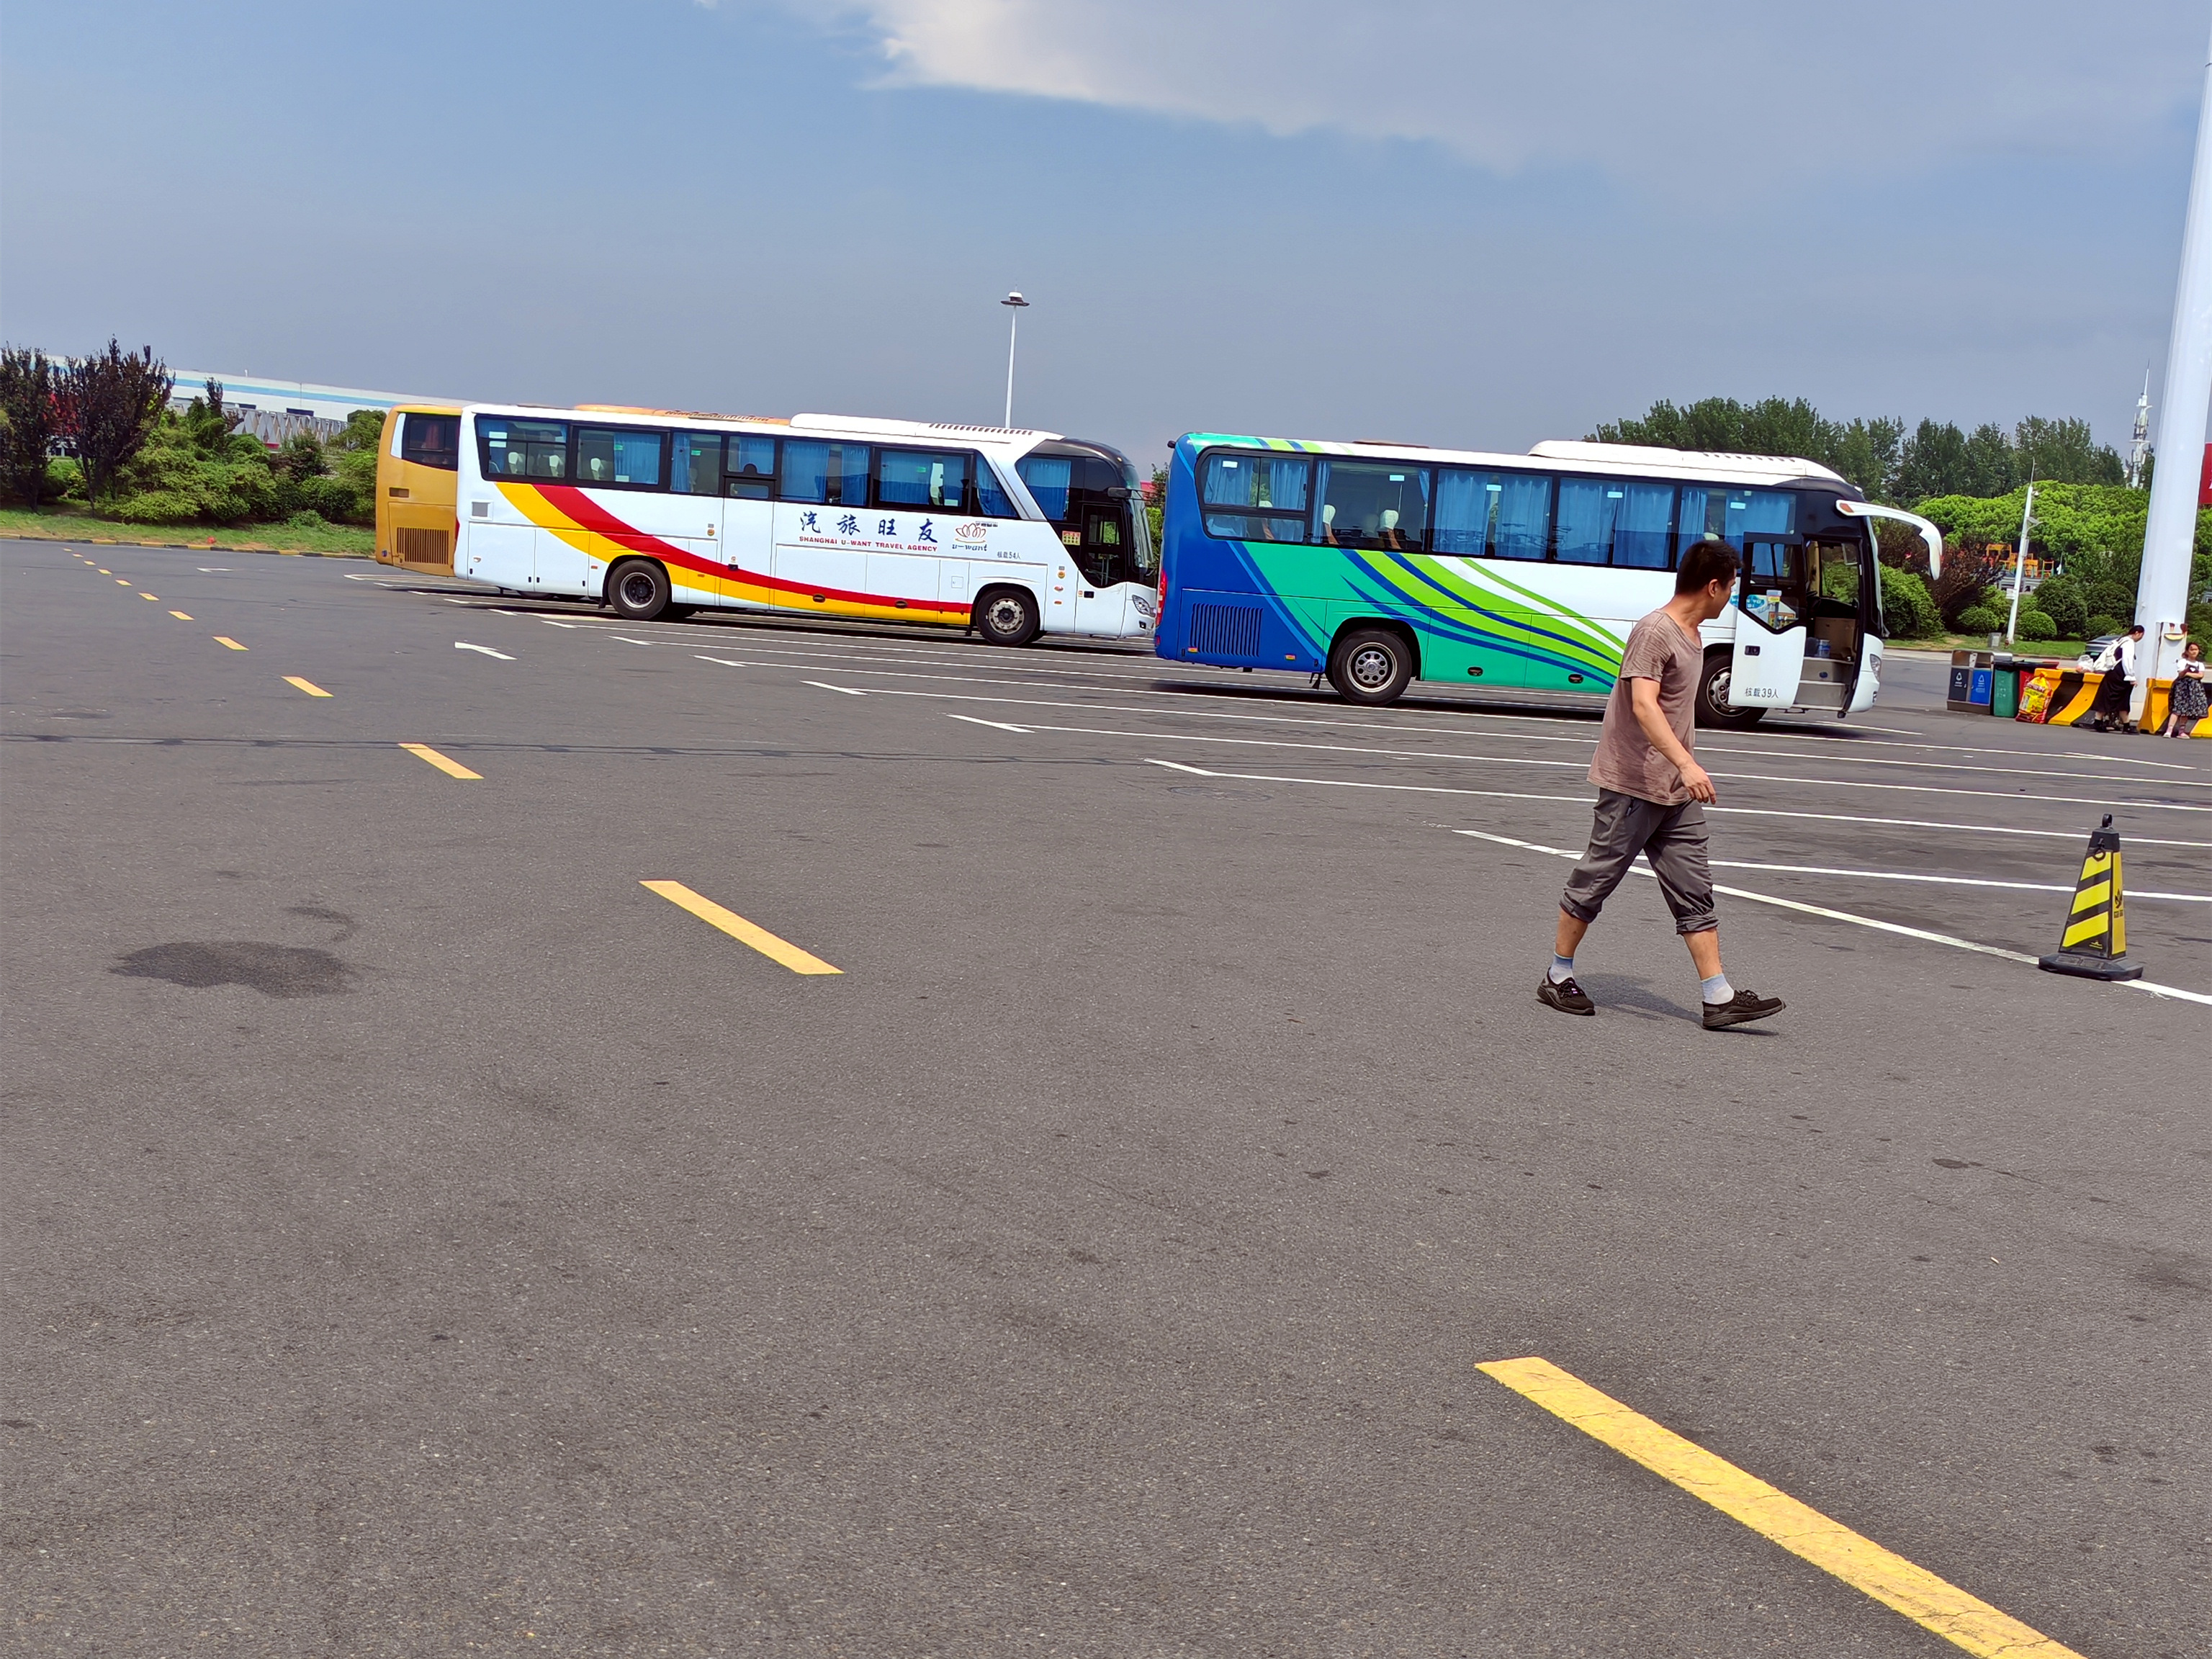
2139,447
2162,595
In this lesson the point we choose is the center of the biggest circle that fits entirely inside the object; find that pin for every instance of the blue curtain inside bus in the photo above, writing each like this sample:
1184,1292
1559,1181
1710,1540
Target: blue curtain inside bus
910,477
1463,510
1732,514
1587,507
1639,530
993,501
1524,516
1048,477
617,455
817,472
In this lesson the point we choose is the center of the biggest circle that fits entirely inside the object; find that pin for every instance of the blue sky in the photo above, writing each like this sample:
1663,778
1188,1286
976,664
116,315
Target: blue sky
1452,223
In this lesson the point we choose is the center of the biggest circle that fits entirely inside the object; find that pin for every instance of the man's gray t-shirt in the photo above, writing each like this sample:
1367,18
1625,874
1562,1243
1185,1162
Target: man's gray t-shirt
1659,649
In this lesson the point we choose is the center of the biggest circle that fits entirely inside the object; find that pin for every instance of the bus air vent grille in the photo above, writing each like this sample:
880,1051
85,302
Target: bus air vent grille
421,546
1225,630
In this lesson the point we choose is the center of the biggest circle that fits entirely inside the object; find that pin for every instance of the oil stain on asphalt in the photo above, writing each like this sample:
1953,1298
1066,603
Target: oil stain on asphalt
275,970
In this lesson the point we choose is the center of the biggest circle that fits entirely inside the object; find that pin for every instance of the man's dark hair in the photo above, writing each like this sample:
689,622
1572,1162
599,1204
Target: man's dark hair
1705,562
2136,628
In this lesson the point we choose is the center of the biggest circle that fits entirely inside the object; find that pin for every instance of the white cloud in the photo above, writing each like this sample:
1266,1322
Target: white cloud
1692,96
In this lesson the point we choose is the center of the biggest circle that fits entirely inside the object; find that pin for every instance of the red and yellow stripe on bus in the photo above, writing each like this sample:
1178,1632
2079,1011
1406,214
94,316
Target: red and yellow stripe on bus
572,515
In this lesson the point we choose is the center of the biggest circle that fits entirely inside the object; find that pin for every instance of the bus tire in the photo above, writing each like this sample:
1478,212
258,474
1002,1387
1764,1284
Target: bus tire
1006,616
637,590
1713,708
1370,665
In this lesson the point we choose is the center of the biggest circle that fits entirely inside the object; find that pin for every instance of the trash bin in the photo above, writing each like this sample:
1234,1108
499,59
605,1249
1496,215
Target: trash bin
2004,698
1971,689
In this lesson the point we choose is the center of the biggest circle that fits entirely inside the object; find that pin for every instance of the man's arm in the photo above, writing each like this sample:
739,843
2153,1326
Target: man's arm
1644,701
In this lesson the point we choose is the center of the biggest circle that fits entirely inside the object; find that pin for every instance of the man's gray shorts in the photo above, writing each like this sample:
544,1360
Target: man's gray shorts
1674,837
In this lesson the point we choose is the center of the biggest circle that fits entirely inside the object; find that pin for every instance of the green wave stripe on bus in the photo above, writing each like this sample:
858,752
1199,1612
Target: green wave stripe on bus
1479,589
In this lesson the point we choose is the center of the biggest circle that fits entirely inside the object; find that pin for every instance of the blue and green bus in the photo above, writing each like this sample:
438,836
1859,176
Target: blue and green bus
1378,564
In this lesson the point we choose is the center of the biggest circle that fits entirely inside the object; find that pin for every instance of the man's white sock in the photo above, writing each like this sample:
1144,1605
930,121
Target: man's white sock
1717,989
1563,969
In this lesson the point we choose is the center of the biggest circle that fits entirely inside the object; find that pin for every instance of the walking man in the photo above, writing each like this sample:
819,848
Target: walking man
1651,794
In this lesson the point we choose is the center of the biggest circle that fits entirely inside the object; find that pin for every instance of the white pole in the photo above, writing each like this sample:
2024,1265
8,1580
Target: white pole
2162,595
2020,558
1013,327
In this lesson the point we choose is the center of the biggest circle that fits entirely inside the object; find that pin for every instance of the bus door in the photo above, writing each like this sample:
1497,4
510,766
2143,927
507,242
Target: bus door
1770,625
1101,548
748,507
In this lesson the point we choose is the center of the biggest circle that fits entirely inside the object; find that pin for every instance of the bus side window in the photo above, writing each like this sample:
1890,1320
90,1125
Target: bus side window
620,456
1049,478
431,440
991,501
750,472
512,448
697,466
835,475
921,478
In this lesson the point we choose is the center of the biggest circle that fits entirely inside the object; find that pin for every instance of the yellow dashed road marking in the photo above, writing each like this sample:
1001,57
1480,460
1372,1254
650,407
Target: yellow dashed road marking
225,639
451,768
144,595
746,932
180,615
1892,1580
307,686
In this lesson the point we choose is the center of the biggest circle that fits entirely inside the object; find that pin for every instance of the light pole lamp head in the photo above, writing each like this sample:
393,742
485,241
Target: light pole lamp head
1014,299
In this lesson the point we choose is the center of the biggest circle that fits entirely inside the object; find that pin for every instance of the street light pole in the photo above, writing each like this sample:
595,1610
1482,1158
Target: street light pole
2169,540
2020,553
1014,325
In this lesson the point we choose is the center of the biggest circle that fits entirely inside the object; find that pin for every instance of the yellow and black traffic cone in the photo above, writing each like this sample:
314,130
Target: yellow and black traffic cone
2094,945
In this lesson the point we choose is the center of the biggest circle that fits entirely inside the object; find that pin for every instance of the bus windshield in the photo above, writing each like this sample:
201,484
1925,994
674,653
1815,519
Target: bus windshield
1090,494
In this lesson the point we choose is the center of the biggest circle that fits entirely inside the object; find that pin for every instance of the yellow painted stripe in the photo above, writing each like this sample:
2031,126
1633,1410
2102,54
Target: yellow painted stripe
307,686
121,583
2076,706
225,639
2092,927
103,570
180,615
144,595
1892,1580
2089,897
450,767
746,933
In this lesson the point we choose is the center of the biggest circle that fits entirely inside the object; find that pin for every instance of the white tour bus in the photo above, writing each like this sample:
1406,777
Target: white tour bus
655,512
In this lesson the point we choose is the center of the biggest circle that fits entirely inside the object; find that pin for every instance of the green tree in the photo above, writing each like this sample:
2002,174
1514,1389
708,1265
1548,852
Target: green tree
27,405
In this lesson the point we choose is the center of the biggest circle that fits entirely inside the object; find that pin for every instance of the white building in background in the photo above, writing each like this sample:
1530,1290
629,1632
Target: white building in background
275,410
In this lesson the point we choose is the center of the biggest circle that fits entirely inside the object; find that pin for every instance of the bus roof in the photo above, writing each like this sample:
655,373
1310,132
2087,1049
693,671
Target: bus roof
1628,460
1011,440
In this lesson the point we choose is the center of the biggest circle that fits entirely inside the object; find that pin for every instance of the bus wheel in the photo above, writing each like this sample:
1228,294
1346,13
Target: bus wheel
1006,616
1713,706
638,589
1370,665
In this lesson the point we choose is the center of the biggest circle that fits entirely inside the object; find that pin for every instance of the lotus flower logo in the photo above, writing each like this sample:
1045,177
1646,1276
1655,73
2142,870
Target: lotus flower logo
970,532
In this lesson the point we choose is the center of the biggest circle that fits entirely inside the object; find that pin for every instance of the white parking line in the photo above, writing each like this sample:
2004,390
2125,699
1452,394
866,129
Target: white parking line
846,689
1956,943
463,644
1000,725
1837,749
1585,801
626,640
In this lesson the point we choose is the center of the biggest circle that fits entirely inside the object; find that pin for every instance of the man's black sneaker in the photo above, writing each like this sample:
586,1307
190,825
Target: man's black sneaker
1567,997
1741,1009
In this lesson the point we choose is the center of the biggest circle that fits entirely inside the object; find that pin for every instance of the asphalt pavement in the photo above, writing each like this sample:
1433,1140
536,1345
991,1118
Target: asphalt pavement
425,1237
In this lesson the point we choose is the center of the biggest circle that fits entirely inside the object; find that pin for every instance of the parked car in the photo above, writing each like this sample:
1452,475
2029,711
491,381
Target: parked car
2094,649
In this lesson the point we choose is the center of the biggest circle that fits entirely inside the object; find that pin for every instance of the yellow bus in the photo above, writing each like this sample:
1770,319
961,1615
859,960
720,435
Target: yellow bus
418,466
